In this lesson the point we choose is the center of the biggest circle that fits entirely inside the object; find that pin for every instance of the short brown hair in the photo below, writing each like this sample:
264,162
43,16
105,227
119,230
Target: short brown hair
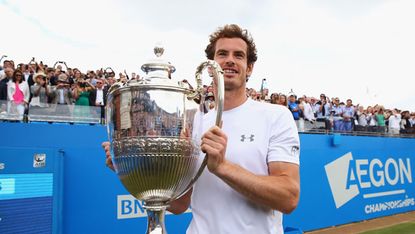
232,31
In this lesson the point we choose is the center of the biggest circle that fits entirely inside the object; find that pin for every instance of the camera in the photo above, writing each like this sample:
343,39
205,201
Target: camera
82,85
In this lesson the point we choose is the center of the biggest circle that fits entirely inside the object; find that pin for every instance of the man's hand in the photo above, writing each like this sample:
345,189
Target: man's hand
214,144
108,161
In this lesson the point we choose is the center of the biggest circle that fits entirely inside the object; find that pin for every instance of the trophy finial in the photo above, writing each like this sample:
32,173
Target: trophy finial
158,49
159,64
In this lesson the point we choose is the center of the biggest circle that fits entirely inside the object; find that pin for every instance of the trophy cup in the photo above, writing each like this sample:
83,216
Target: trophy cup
155,127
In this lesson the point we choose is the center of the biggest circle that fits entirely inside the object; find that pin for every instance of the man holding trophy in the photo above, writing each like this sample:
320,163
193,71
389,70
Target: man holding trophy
252,160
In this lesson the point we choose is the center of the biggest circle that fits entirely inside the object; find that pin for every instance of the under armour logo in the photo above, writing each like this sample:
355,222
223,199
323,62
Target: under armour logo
251,138
294,150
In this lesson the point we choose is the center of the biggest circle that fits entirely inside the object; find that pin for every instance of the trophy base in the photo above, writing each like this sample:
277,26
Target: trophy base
155,219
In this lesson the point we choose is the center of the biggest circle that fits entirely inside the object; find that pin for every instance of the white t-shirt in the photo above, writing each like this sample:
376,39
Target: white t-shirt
308,111
258,133
395,121
100,97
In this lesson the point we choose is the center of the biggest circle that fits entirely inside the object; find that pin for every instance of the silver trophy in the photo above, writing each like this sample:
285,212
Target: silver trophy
155,127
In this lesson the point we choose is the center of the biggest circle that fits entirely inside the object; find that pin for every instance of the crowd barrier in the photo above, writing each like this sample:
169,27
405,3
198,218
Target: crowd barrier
53,113
343,179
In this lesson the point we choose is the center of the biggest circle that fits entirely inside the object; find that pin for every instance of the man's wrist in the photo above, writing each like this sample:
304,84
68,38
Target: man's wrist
223,168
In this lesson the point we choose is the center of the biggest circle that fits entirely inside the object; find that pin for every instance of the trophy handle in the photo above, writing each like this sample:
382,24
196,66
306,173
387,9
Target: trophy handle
219,102
220,89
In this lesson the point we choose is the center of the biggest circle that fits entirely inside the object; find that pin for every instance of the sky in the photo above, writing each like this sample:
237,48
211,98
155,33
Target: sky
358,49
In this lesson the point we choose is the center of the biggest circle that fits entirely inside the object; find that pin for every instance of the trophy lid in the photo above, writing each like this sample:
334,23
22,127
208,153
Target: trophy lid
158,76
158,67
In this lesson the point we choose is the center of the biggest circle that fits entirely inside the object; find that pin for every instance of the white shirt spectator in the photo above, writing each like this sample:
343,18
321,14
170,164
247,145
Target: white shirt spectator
100,97
362,119
308,112
394,123
372,119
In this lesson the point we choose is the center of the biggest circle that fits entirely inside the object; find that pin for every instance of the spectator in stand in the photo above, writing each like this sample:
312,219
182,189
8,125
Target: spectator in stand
62,94
371,119
41,92
348,114
253,95
54,79
387,114
18,93
323,110
380,119
337,112
6,64
265,95
70,74
412,119
210,101
283,100
27,76
406,126
309,117
123,79
11,65
91,77
134,76
314,108
110,81
8,76
77,75
275,98
394,122
294,107
97,97
361,116
81,94
49,75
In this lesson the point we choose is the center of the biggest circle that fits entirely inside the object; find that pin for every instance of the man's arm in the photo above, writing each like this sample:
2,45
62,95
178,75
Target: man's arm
279,190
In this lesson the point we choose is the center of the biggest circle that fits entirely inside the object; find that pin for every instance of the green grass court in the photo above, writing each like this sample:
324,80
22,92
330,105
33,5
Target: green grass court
403,228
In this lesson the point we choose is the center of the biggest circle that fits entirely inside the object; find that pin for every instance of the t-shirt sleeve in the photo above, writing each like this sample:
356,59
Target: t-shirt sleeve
284,145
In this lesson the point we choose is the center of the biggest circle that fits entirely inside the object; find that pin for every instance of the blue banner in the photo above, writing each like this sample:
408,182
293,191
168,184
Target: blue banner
343,179
357,178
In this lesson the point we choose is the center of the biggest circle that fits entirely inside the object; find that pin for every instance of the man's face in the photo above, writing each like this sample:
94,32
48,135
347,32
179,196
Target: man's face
99,84
231,55
9,72
7,64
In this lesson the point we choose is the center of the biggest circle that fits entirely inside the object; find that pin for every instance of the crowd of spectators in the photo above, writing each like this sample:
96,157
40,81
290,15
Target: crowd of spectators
333,114
34,86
